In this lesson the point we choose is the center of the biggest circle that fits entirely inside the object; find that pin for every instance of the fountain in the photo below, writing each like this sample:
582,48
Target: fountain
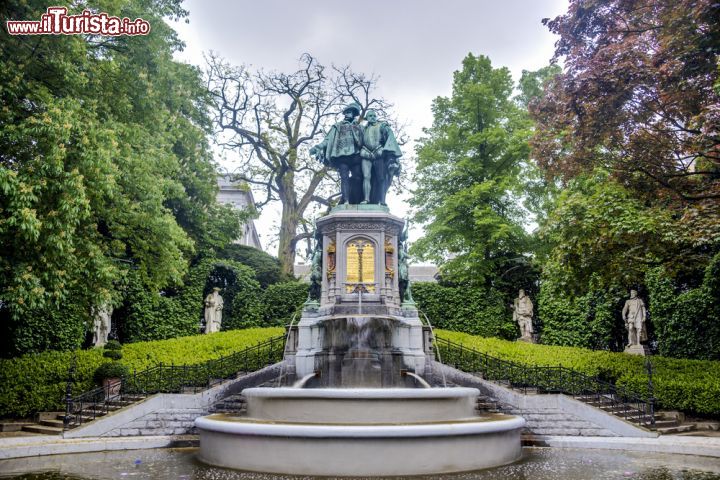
360,404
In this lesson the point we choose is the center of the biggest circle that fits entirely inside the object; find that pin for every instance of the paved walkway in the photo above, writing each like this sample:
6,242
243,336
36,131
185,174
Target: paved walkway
687,445
36,445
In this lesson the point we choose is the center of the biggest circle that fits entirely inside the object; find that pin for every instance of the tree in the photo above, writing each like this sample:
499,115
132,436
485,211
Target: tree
639,97
266,267
271,120
468,170
104,168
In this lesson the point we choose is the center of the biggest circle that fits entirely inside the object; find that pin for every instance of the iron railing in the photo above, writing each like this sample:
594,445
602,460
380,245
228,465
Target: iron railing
550,379
162,378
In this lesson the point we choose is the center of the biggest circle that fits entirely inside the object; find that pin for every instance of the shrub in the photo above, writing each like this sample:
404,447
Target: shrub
110,370
591,320
464,309
687,322
688,385
56,328
37,382
283,301
113,345
113,354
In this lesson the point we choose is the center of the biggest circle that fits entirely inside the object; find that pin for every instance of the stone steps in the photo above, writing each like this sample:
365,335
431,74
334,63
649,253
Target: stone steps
232,404
52,423
57,423
676,429
42,429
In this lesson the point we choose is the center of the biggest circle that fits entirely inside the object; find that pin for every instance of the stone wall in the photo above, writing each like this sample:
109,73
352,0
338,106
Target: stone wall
166,422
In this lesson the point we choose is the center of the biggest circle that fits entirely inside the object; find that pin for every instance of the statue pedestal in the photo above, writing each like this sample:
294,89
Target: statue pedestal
637,350
360,308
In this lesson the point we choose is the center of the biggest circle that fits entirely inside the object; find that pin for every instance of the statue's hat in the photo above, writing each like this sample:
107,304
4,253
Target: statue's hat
353,106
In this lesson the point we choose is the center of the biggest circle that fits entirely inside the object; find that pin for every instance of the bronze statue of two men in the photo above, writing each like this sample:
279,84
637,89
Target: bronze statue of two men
366,156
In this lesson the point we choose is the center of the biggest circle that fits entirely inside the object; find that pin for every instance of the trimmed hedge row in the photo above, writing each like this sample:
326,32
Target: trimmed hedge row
688,385
36,382
463,309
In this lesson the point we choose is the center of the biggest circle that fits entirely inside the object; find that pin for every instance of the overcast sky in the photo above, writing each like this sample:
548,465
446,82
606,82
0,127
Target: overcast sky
414,46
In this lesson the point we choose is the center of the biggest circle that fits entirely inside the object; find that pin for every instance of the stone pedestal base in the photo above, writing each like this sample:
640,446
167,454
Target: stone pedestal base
526,339
637,350
323,341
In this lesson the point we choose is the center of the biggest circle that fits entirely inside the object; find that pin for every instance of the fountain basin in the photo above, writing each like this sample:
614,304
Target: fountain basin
360,432
360,405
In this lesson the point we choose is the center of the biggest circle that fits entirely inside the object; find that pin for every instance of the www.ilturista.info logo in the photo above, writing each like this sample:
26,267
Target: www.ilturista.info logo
57,22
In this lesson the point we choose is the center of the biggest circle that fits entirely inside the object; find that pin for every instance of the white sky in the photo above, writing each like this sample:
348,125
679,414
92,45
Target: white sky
414,46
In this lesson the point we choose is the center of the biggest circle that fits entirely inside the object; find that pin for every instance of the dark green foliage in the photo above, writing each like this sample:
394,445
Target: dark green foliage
687,322
113,354
149,315
155,316
113,345
240,291
592,320
267,268
463,309
35,383
110,370
282,301
688,385
56,328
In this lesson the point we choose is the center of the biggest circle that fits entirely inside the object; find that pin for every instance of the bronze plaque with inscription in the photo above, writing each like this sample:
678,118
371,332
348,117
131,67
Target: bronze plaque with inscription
360,273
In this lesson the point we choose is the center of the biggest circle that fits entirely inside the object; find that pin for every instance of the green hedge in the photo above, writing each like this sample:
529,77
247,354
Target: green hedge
34,383
282,301
688,385
53,327
686,321
464,309
155,316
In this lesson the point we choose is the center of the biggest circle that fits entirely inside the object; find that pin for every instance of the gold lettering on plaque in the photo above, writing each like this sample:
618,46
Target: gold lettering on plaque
331,259
360,273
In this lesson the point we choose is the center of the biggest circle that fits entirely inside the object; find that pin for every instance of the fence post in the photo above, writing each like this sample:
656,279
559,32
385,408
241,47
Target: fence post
68,392
651,392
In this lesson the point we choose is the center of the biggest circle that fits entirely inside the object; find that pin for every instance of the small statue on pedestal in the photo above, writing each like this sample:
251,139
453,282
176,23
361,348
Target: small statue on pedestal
523,314
101,325
213,311
634,314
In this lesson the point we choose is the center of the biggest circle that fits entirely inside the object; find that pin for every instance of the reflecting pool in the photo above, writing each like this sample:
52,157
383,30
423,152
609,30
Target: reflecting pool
536,464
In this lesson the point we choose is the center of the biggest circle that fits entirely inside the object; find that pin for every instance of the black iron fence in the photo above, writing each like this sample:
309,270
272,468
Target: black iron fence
162,378
550,379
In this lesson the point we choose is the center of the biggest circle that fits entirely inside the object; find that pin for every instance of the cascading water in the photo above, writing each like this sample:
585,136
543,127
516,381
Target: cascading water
358,353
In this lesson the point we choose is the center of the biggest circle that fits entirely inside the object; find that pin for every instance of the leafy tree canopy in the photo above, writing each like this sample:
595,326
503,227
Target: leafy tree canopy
468,176
639,96
104,164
